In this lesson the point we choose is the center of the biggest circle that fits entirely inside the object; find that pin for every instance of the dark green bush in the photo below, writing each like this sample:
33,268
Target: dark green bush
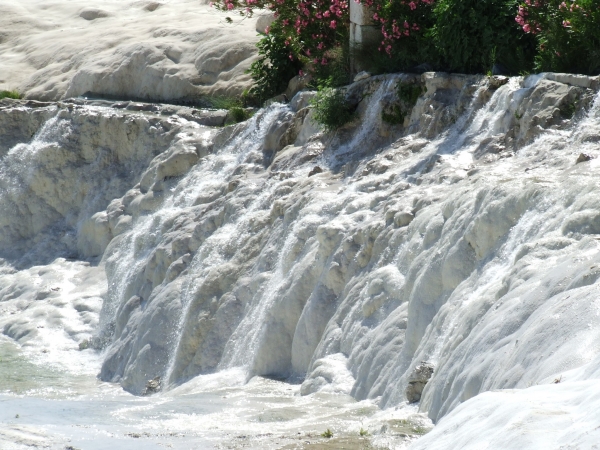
327,434
238,114
568,34
338,71
416,47
400,58
331,109
274,68
474,35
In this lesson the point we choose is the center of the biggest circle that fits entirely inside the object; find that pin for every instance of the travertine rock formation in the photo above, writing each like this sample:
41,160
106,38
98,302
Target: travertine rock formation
464,237
156,50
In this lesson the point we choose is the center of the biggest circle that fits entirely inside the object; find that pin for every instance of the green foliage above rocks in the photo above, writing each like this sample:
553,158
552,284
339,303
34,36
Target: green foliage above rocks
473,36
238,114
10,94
274,68
494,37
331,108
567,34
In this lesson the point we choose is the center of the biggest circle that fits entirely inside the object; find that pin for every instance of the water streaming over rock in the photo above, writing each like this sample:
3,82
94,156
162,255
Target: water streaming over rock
465,238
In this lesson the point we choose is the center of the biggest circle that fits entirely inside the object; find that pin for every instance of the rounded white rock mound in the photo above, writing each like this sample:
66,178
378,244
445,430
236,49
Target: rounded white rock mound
176,50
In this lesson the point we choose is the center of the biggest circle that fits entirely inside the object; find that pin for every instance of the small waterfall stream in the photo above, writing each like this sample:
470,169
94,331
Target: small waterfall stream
241,151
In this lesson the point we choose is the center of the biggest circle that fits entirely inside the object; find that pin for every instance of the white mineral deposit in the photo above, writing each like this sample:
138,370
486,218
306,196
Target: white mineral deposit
159,50
167,281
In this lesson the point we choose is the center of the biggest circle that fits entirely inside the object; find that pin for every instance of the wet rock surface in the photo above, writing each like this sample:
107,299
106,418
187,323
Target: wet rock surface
583,157
419,241
417,381
153,386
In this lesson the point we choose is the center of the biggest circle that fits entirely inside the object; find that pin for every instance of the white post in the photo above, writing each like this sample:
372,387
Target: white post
363,31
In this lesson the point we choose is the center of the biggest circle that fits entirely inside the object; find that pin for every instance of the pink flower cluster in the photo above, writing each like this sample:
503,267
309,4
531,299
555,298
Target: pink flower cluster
398,20
566,28
523,19
310,27
532,12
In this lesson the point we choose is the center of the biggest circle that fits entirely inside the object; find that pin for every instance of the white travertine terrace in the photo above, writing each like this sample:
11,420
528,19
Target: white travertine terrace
155,50
464,241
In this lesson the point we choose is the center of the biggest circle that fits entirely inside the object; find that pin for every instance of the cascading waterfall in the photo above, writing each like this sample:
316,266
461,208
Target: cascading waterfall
458,239
17,174
242,150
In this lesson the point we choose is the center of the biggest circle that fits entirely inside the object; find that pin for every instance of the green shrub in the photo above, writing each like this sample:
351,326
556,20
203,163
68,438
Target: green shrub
405,28
567,33
400,58
249,100
235,106
337,72
10,94
222,102
331,109
305,30
238,114
454,35
275,67
394,114
473,35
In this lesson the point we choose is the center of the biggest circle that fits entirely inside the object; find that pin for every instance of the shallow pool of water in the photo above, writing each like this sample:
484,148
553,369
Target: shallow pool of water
47,406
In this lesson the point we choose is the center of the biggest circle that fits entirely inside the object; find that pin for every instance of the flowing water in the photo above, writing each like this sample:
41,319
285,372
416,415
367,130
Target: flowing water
275,301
